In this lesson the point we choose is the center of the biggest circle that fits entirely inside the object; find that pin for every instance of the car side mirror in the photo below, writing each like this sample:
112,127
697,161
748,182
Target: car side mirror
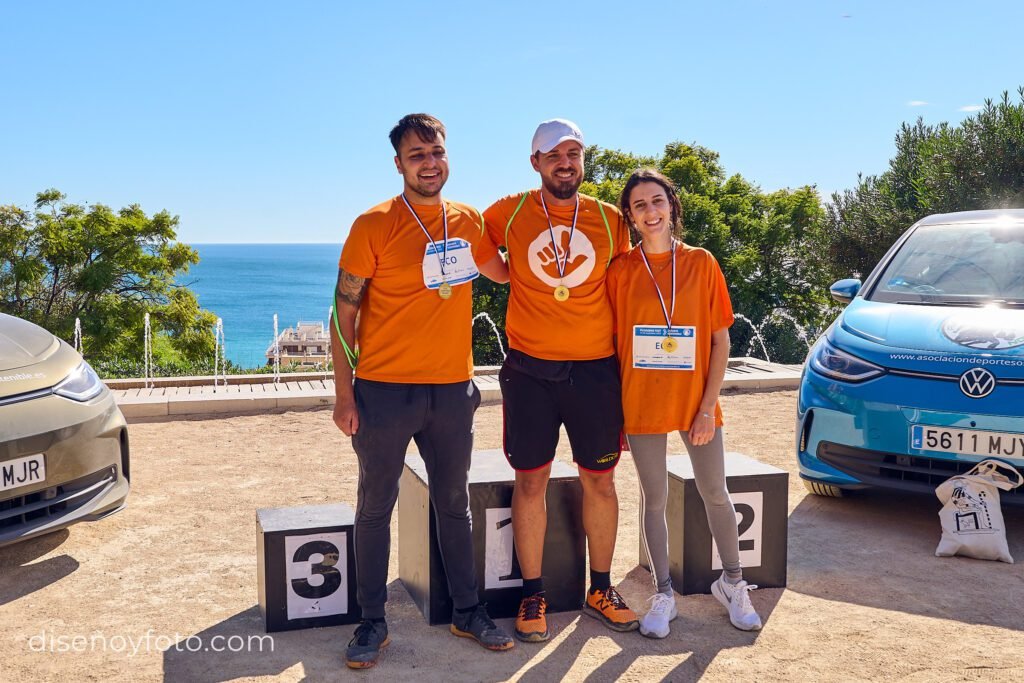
843,291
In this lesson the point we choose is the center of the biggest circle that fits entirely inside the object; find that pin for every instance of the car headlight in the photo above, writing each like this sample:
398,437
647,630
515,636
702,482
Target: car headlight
81,385
833,363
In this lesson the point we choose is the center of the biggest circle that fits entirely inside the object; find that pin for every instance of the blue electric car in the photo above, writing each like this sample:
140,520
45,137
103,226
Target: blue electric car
922,374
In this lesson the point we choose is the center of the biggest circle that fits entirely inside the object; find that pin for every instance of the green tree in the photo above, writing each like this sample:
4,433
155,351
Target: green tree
491,299
978,164
64,261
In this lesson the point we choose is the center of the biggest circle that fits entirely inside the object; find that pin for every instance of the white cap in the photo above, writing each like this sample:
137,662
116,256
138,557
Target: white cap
554,132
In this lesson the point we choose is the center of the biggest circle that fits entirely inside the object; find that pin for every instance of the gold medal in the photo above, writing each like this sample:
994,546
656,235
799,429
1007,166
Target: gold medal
561,291
444,291
668,344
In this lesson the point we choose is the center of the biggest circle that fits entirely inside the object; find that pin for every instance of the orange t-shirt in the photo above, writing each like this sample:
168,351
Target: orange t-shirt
658,401
536,324
407,333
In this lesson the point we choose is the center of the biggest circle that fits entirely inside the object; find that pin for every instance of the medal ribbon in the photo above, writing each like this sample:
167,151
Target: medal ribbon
668,314
430,240
551,231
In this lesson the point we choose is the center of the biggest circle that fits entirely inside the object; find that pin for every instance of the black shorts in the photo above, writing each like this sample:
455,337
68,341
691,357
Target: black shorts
540,395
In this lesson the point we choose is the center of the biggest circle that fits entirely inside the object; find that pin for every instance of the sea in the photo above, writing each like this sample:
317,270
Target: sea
246,284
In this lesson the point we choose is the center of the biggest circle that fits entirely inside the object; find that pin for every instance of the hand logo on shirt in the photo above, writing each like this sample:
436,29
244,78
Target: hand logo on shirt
549,258
544,259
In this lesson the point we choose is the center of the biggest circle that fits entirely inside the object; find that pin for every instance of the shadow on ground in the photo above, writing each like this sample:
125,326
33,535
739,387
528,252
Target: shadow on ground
701,631
431,653
877,549
21,575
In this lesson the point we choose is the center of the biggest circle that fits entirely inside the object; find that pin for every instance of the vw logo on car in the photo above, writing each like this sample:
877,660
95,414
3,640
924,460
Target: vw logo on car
977,383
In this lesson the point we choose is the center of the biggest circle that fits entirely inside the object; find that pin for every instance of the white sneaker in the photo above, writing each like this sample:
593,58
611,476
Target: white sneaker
654,624
735,598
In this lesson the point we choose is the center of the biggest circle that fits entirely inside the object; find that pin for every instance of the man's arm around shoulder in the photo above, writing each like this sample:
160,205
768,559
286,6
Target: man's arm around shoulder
496,269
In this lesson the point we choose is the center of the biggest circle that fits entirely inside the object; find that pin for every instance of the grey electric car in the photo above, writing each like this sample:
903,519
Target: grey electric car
63,441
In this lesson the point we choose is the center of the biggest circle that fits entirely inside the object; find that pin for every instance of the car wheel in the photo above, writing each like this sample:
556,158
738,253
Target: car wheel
819,489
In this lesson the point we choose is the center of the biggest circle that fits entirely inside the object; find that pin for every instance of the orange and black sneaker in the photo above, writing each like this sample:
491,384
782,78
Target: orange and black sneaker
531,624
608,606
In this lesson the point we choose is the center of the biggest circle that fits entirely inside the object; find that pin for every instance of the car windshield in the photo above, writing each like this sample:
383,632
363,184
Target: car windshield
968,264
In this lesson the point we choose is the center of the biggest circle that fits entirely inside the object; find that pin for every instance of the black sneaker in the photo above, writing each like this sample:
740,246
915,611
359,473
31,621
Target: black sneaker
478,626
364,648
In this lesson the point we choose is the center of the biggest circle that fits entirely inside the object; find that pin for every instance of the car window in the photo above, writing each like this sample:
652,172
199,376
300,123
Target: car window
956,264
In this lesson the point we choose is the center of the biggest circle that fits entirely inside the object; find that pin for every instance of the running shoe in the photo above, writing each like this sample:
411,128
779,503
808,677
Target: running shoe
609,607
654,624
364,648
531,624
736,599
478,626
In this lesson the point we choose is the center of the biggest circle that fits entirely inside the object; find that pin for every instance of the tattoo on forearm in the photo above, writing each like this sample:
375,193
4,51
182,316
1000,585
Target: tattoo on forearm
350,288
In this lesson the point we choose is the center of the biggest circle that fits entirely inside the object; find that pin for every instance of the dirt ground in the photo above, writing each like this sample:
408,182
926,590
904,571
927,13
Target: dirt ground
866,597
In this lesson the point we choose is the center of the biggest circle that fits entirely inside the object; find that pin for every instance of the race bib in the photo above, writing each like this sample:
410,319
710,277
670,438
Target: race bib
459,265
650,352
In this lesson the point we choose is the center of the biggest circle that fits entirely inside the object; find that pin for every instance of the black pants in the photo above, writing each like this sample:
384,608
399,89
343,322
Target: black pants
439,417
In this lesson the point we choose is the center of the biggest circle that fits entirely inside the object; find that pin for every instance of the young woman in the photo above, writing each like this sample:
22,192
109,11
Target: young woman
672,318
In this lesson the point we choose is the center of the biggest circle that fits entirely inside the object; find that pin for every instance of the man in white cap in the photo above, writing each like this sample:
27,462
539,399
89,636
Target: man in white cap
561,367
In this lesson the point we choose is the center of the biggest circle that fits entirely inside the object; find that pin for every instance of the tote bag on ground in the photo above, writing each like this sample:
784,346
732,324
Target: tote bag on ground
972,521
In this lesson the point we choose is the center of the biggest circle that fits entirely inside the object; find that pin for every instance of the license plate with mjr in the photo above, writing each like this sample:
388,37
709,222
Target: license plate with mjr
24,471
966,441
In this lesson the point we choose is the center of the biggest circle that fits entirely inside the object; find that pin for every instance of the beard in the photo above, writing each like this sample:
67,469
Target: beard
425,191
562,189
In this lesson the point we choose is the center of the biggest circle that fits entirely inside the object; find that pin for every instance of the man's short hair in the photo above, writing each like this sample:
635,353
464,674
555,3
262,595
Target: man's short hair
426,127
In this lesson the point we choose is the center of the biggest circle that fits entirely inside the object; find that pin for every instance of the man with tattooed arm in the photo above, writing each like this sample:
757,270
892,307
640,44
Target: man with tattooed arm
406,270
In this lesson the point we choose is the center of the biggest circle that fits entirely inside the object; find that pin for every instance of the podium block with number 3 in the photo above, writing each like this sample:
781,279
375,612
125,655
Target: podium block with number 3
306,567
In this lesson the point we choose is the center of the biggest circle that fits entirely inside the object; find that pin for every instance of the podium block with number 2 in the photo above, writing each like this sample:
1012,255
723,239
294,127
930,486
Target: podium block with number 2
759,494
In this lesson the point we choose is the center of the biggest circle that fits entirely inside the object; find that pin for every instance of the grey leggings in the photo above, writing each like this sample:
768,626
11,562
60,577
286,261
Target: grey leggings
649,453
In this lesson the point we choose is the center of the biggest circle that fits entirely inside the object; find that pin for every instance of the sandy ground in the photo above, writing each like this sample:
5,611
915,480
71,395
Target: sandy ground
866,600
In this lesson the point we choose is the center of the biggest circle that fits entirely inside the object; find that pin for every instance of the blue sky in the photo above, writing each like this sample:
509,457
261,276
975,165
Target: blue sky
268,122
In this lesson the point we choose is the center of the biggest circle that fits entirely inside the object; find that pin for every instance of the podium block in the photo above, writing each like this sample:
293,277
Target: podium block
759,494
491,481
306,567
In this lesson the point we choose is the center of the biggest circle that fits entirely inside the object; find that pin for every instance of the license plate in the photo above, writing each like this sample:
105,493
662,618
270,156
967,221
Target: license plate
966,441
19,472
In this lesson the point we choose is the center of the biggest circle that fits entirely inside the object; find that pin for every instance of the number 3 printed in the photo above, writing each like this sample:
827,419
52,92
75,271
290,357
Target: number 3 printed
325,568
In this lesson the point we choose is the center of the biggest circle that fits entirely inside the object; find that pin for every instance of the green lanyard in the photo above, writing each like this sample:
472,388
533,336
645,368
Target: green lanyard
352,357
600,206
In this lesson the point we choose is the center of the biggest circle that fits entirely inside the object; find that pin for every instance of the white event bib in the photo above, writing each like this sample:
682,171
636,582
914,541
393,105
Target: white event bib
648,352
459,265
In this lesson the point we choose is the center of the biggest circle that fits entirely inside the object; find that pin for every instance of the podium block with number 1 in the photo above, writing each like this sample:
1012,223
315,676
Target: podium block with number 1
499,581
